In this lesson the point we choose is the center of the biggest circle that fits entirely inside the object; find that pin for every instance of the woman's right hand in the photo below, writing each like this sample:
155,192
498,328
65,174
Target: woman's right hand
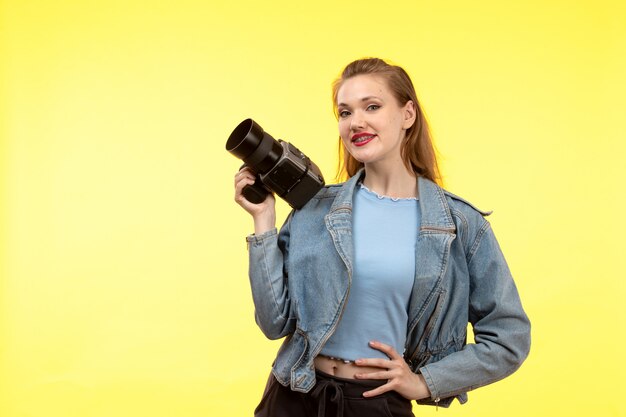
264,213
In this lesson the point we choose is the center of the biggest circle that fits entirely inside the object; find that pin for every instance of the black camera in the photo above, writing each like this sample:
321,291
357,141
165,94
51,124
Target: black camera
280,167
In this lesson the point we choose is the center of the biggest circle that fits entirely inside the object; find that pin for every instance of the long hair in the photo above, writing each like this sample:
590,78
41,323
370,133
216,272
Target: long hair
417,150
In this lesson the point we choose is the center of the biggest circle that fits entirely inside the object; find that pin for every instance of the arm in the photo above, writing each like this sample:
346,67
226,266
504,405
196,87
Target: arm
268,280
501,327
267,260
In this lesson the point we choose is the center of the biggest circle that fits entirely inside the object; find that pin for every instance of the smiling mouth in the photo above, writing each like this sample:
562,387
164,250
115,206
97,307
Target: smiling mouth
361,140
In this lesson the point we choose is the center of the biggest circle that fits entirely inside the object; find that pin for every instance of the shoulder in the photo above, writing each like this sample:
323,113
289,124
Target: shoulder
329,191
470,220
318,206
462,205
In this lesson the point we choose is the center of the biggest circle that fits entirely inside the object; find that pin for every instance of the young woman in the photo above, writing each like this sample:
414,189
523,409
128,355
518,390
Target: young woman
374,280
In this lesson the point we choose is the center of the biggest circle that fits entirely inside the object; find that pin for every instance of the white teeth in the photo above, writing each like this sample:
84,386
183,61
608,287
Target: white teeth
364,138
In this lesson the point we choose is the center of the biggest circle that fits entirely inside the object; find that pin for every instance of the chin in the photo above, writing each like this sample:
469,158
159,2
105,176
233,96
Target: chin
364,159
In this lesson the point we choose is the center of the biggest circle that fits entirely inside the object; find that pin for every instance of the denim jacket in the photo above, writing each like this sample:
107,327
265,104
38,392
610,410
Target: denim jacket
301,279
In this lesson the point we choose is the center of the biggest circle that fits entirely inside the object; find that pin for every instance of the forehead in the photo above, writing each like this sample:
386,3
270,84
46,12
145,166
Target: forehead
360,86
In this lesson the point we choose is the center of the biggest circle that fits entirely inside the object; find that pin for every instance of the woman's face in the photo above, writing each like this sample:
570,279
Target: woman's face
372,124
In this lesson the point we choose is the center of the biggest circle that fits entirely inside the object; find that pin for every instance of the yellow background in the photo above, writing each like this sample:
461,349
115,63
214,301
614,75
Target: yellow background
124,289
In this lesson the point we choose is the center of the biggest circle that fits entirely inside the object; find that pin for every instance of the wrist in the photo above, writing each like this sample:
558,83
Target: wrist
422,388
264,223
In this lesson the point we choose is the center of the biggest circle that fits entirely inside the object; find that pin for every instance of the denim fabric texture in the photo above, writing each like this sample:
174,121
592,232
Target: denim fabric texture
300,280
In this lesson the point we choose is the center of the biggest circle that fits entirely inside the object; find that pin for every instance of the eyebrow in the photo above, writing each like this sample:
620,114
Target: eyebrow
363,99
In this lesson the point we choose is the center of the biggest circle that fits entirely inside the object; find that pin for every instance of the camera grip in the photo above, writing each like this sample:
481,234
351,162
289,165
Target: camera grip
256,192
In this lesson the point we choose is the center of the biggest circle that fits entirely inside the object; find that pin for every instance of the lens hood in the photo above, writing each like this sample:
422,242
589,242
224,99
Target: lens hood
250,143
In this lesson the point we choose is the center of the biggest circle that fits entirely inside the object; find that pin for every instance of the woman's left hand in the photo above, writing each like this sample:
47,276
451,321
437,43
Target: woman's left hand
399,376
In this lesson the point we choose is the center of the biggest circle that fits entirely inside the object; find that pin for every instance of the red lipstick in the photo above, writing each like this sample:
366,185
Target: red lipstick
362,138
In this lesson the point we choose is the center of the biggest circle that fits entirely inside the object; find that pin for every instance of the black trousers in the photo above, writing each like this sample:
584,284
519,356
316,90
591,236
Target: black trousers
331,397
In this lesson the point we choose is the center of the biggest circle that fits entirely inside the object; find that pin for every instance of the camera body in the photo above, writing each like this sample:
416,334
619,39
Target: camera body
294,177
280,166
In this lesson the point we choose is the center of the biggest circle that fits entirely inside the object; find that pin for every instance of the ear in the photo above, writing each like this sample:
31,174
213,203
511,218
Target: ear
410,114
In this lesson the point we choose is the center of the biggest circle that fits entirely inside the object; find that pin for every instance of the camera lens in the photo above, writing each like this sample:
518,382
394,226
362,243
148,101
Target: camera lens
259,150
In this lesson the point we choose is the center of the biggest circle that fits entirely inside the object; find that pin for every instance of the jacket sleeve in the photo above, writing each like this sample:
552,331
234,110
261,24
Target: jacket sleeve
268,275
501,327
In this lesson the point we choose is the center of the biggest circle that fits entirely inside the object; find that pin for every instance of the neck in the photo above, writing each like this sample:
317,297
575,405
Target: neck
395,181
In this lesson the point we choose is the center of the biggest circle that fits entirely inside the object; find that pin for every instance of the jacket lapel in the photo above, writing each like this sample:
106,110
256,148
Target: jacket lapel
339,221
436,233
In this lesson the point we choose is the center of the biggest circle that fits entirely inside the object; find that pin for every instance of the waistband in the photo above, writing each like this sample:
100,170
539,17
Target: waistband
330,391
350,387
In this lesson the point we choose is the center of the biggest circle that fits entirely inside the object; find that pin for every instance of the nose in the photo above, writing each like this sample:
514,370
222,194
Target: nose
357,121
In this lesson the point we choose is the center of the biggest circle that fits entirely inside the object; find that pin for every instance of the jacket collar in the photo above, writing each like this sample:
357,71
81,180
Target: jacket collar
434,207
435,211
343,199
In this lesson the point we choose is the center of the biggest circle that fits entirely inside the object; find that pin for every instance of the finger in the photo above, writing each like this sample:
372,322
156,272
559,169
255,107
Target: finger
375,375
386,349
238,177
245,174
380,390
247,170
376,362
245,178
242,182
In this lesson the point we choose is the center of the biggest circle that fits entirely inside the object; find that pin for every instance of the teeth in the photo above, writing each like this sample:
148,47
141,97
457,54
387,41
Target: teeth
364,138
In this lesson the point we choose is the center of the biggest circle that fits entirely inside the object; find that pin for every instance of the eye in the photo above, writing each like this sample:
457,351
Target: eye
373,107
344,113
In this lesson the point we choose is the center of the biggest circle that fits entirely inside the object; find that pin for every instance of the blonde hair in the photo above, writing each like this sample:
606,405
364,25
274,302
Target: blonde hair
418,152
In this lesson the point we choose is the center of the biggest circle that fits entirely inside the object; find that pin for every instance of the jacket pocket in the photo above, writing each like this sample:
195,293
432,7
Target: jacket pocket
421,355
290,353
436,354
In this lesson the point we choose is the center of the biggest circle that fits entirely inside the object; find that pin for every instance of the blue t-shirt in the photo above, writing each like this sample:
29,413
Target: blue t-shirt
385,235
